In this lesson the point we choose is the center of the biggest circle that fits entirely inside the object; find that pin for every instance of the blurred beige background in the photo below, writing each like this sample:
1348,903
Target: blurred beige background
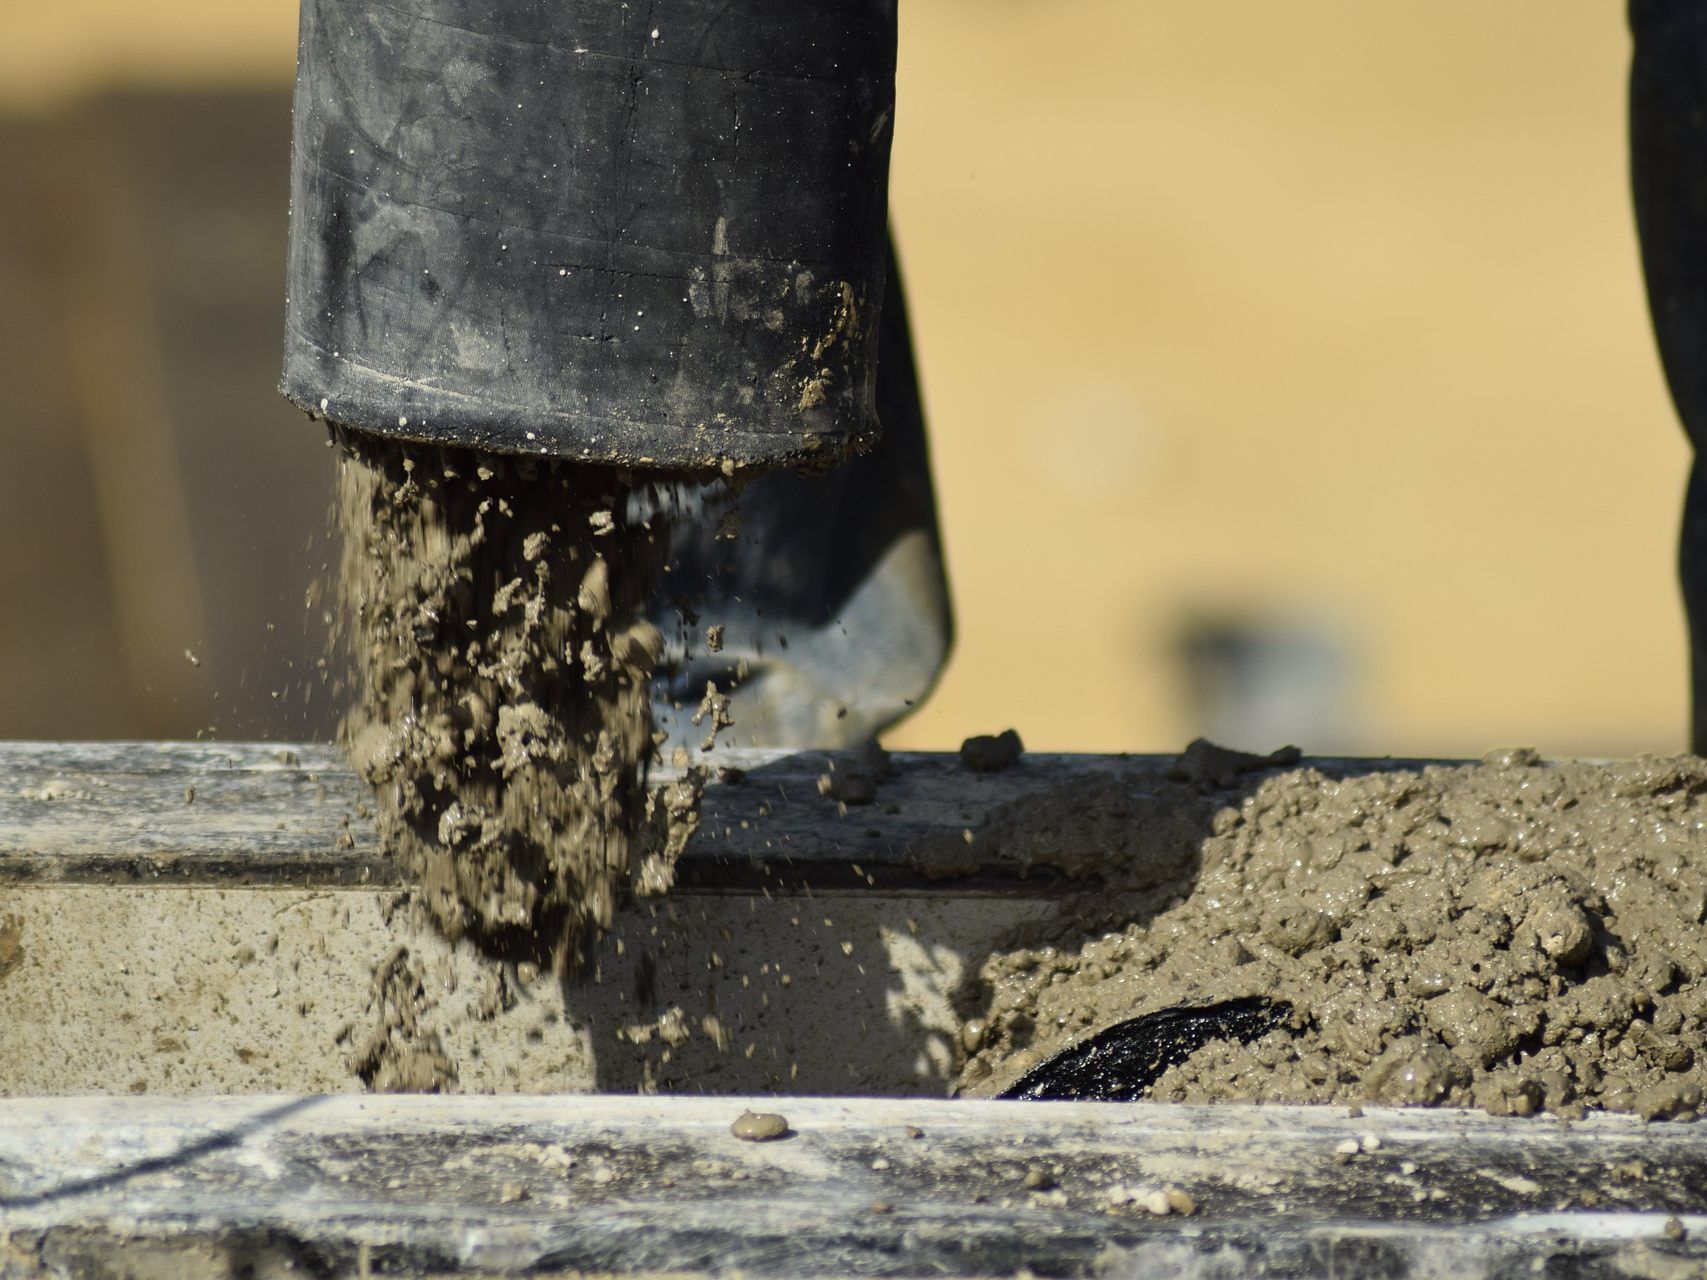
1287,366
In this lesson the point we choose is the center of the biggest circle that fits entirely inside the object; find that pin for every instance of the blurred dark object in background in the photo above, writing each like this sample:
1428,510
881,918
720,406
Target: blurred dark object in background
156,493
1266,681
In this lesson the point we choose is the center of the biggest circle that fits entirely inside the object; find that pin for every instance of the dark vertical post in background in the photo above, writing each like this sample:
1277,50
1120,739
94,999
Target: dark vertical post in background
1668,169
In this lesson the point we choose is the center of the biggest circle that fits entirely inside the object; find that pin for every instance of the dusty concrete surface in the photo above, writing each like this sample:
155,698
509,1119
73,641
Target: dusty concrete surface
206,918
263,990
1512,935
425,1186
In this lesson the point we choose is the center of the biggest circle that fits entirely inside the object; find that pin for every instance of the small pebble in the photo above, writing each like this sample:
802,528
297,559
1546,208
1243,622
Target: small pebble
913,1131
557,1157
1158,1201
1038,1179
991,753
850,786
1674,1229
759,1126
1370,1142
511,1192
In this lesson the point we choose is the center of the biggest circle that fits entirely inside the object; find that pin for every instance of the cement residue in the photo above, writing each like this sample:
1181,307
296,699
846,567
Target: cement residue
1508,935
400,1054
11,945
492,608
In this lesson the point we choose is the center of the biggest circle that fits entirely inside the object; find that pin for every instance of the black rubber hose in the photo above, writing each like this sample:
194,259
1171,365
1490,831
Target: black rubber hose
1668,172
647,234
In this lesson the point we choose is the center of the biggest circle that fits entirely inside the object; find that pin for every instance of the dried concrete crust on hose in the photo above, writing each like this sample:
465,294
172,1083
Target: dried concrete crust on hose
1510,935
491,607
